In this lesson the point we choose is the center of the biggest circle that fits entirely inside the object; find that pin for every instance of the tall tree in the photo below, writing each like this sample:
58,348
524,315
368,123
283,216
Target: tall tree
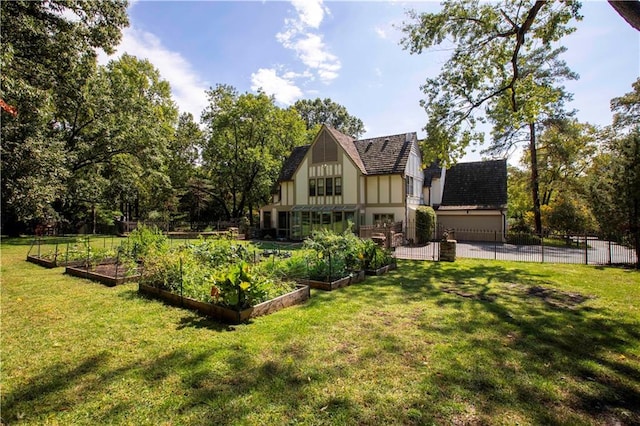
123,119
503,64
247,139
44,44
615,189
318,111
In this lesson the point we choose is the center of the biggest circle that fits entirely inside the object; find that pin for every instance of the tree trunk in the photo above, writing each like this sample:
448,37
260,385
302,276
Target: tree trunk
535,192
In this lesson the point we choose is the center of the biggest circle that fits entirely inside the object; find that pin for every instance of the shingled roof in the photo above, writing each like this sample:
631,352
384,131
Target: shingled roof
481,185
292,162
385,154
347,143
374,156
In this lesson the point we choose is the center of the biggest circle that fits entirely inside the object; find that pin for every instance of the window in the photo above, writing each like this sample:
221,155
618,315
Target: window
320,189
329,186
382,218
312,187
338,186
409,185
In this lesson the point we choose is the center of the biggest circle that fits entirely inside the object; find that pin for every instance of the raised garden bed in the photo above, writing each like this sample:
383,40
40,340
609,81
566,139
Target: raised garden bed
332,285
381,271
299,295
49,263
106,273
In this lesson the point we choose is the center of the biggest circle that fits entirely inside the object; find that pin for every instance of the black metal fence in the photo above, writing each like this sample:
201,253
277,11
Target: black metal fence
494,244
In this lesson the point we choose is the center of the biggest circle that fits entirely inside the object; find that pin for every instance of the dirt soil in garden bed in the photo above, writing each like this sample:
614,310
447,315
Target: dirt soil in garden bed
110,270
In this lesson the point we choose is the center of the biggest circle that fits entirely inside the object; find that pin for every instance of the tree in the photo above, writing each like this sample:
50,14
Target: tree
503,65
615,175
247,139
119,126
41,52
570,217
317,112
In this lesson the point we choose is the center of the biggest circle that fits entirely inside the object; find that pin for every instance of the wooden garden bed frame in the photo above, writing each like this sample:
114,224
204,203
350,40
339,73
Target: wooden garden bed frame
299,295
383,270
109,280
333,285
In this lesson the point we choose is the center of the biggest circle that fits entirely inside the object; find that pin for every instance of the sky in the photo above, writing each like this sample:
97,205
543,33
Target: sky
348,51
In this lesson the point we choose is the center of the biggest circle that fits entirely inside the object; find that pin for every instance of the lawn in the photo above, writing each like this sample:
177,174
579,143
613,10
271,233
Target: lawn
470,342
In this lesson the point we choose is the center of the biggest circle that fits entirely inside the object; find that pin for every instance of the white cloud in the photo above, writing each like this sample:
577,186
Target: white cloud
187,88
309,46
310,12
381,32
282,88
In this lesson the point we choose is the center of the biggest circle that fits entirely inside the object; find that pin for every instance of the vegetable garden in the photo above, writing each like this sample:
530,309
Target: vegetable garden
222,277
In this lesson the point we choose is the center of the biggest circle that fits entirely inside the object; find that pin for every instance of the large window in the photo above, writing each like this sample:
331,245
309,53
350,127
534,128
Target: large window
312,187
338,186
325,186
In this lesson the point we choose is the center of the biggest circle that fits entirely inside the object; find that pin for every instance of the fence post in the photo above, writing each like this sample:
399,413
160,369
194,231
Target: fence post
495,245
117,264
542,246
586,250
609,241
88,254
181,280
39,243
55,256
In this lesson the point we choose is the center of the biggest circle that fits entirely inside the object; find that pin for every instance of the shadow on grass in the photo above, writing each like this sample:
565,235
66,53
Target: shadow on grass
526,346
507,342
209,392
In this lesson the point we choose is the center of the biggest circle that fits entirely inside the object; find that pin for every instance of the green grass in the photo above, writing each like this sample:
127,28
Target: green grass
470,342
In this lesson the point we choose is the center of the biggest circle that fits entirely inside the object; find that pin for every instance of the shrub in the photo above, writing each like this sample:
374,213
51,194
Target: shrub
425,224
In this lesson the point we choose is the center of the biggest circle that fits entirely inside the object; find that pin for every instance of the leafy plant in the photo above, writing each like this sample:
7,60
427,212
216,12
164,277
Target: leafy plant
374,256
142,240
425,224
336,255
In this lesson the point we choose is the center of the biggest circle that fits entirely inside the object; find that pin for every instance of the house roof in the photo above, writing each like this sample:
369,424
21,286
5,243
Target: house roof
482,184
292,162
347,143
374,156
385,154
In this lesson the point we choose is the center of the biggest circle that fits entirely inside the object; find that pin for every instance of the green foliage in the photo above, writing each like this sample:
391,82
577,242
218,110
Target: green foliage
502,60
46,59
569,216
318,111
247,139
425,224
333,255
214,271
375,257
143,242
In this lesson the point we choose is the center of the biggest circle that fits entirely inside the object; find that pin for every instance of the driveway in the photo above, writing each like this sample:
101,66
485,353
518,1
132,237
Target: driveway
598,253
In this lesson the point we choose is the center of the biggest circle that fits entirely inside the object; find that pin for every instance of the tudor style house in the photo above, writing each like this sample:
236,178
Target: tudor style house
338,180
